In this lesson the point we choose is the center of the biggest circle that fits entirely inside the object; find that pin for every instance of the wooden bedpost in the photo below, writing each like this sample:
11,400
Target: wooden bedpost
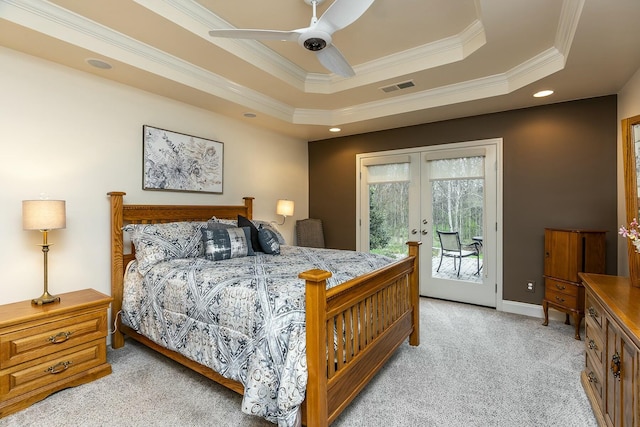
248,202
414,284
316,309
117,267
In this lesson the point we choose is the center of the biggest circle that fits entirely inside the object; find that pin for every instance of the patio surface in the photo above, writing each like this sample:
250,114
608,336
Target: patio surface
467,270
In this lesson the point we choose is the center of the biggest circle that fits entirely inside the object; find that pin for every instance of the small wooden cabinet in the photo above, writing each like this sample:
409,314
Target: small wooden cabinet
612,349
566,253
47,348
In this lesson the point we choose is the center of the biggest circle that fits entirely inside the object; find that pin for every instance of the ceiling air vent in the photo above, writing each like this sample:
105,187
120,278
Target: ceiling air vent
398,86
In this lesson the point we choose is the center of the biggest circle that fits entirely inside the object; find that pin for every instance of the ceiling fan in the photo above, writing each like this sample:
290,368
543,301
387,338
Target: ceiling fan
317,36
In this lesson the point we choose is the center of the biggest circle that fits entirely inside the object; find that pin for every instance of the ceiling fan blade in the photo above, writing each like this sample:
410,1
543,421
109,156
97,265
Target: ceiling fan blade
331,58
341,14
257,34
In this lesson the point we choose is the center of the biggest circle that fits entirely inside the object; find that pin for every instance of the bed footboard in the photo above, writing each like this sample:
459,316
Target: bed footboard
368,318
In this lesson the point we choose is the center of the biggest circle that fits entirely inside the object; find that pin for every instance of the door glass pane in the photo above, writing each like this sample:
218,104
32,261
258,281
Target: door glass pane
388,209
457,189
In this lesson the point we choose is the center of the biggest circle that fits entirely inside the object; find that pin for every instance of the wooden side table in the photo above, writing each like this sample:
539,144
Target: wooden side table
568,252
44,349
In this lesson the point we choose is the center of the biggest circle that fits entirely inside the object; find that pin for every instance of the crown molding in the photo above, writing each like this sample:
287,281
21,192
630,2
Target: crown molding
445,51
57,22
198,20
567,25
544,64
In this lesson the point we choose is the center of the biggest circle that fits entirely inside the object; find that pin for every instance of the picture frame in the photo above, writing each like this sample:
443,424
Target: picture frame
174,161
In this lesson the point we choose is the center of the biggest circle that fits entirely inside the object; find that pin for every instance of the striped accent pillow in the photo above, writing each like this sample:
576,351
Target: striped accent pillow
227,243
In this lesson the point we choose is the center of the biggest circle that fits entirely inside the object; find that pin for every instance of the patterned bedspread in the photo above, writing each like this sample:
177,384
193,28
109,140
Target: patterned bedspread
242,317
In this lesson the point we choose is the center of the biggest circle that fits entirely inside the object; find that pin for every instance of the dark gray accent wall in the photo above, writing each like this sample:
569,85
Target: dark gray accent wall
559,171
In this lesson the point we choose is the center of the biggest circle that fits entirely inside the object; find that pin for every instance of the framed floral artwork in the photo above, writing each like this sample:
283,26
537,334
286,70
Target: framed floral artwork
174,161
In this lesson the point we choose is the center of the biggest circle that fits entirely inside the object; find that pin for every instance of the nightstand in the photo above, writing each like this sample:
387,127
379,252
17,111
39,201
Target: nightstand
47,348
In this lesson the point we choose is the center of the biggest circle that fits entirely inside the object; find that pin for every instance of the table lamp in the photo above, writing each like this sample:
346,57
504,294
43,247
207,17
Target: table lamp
44,215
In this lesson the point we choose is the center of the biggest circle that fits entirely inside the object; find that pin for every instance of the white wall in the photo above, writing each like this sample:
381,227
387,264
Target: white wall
628,106
75,137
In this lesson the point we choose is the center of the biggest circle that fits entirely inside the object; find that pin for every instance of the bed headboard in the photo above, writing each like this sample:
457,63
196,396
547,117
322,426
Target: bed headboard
122,214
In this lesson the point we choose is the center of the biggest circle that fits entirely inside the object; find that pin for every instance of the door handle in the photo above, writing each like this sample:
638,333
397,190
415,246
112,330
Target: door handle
414,231
425,232
424,221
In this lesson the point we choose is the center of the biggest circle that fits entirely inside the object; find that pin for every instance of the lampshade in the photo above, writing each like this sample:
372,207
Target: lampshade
284,207
43,214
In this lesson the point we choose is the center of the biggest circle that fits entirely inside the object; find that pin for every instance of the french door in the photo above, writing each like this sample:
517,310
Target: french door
412,194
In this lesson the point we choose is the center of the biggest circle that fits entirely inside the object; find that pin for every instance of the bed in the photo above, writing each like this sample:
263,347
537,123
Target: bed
350,329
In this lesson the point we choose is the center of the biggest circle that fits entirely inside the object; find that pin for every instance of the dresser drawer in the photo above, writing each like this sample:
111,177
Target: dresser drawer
594,376
564,300
562,287
593,343
39,373
26,344
594,312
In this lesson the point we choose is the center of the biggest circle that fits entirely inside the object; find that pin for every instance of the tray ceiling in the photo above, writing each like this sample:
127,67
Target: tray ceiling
416,61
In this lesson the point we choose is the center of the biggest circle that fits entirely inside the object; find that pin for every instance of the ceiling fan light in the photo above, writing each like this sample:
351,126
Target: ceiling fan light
314,44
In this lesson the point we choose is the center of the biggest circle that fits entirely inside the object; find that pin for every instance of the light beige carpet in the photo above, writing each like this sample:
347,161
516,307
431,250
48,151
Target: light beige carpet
475,367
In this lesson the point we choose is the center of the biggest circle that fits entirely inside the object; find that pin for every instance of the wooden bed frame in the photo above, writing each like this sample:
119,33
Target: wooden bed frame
376,313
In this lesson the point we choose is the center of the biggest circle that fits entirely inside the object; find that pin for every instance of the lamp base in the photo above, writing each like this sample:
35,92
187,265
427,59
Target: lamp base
45,298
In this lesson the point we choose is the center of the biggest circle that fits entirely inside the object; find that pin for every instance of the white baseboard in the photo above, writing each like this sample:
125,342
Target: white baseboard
531,310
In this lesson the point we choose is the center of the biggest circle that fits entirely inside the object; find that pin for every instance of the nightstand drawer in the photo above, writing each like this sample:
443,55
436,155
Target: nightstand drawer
562,287
32,342
564,300
47,370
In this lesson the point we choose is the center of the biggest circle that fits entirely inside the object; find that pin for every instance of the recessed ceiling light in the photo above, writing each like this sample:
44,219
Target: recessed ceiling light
335,130
542,93
249,115
99,63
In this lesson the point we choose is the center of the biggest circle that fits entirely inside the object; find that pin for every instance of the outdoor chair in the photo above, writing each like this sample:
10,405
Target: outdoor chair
451,247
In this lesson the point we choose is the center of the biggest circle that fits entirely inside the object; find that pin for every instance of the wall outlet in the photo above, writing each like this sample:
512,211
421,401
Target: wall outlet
531,286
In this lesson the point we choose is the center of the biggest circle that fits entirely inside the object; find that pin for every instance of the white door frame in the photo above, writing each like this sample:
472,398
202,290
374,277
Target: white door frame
414,222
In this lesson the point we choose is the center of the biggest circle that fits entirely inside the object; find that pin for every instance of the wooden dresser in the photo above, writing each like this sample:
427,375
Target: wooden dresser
612,346
46,348
568,252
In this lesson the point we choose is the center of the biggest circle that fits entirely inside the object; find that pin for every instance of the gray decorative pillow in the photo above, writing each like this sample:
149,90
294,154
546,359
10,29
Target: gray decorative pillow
221,223
268,241
216,225
160,242
265,224
226,243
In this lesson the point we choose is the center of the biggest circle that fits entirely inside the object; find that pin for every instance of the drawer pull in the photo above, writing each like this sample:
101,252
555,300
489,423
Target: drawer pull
560,287
60,337
592,312
615,365
592,378
592,345
58,367
559,299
